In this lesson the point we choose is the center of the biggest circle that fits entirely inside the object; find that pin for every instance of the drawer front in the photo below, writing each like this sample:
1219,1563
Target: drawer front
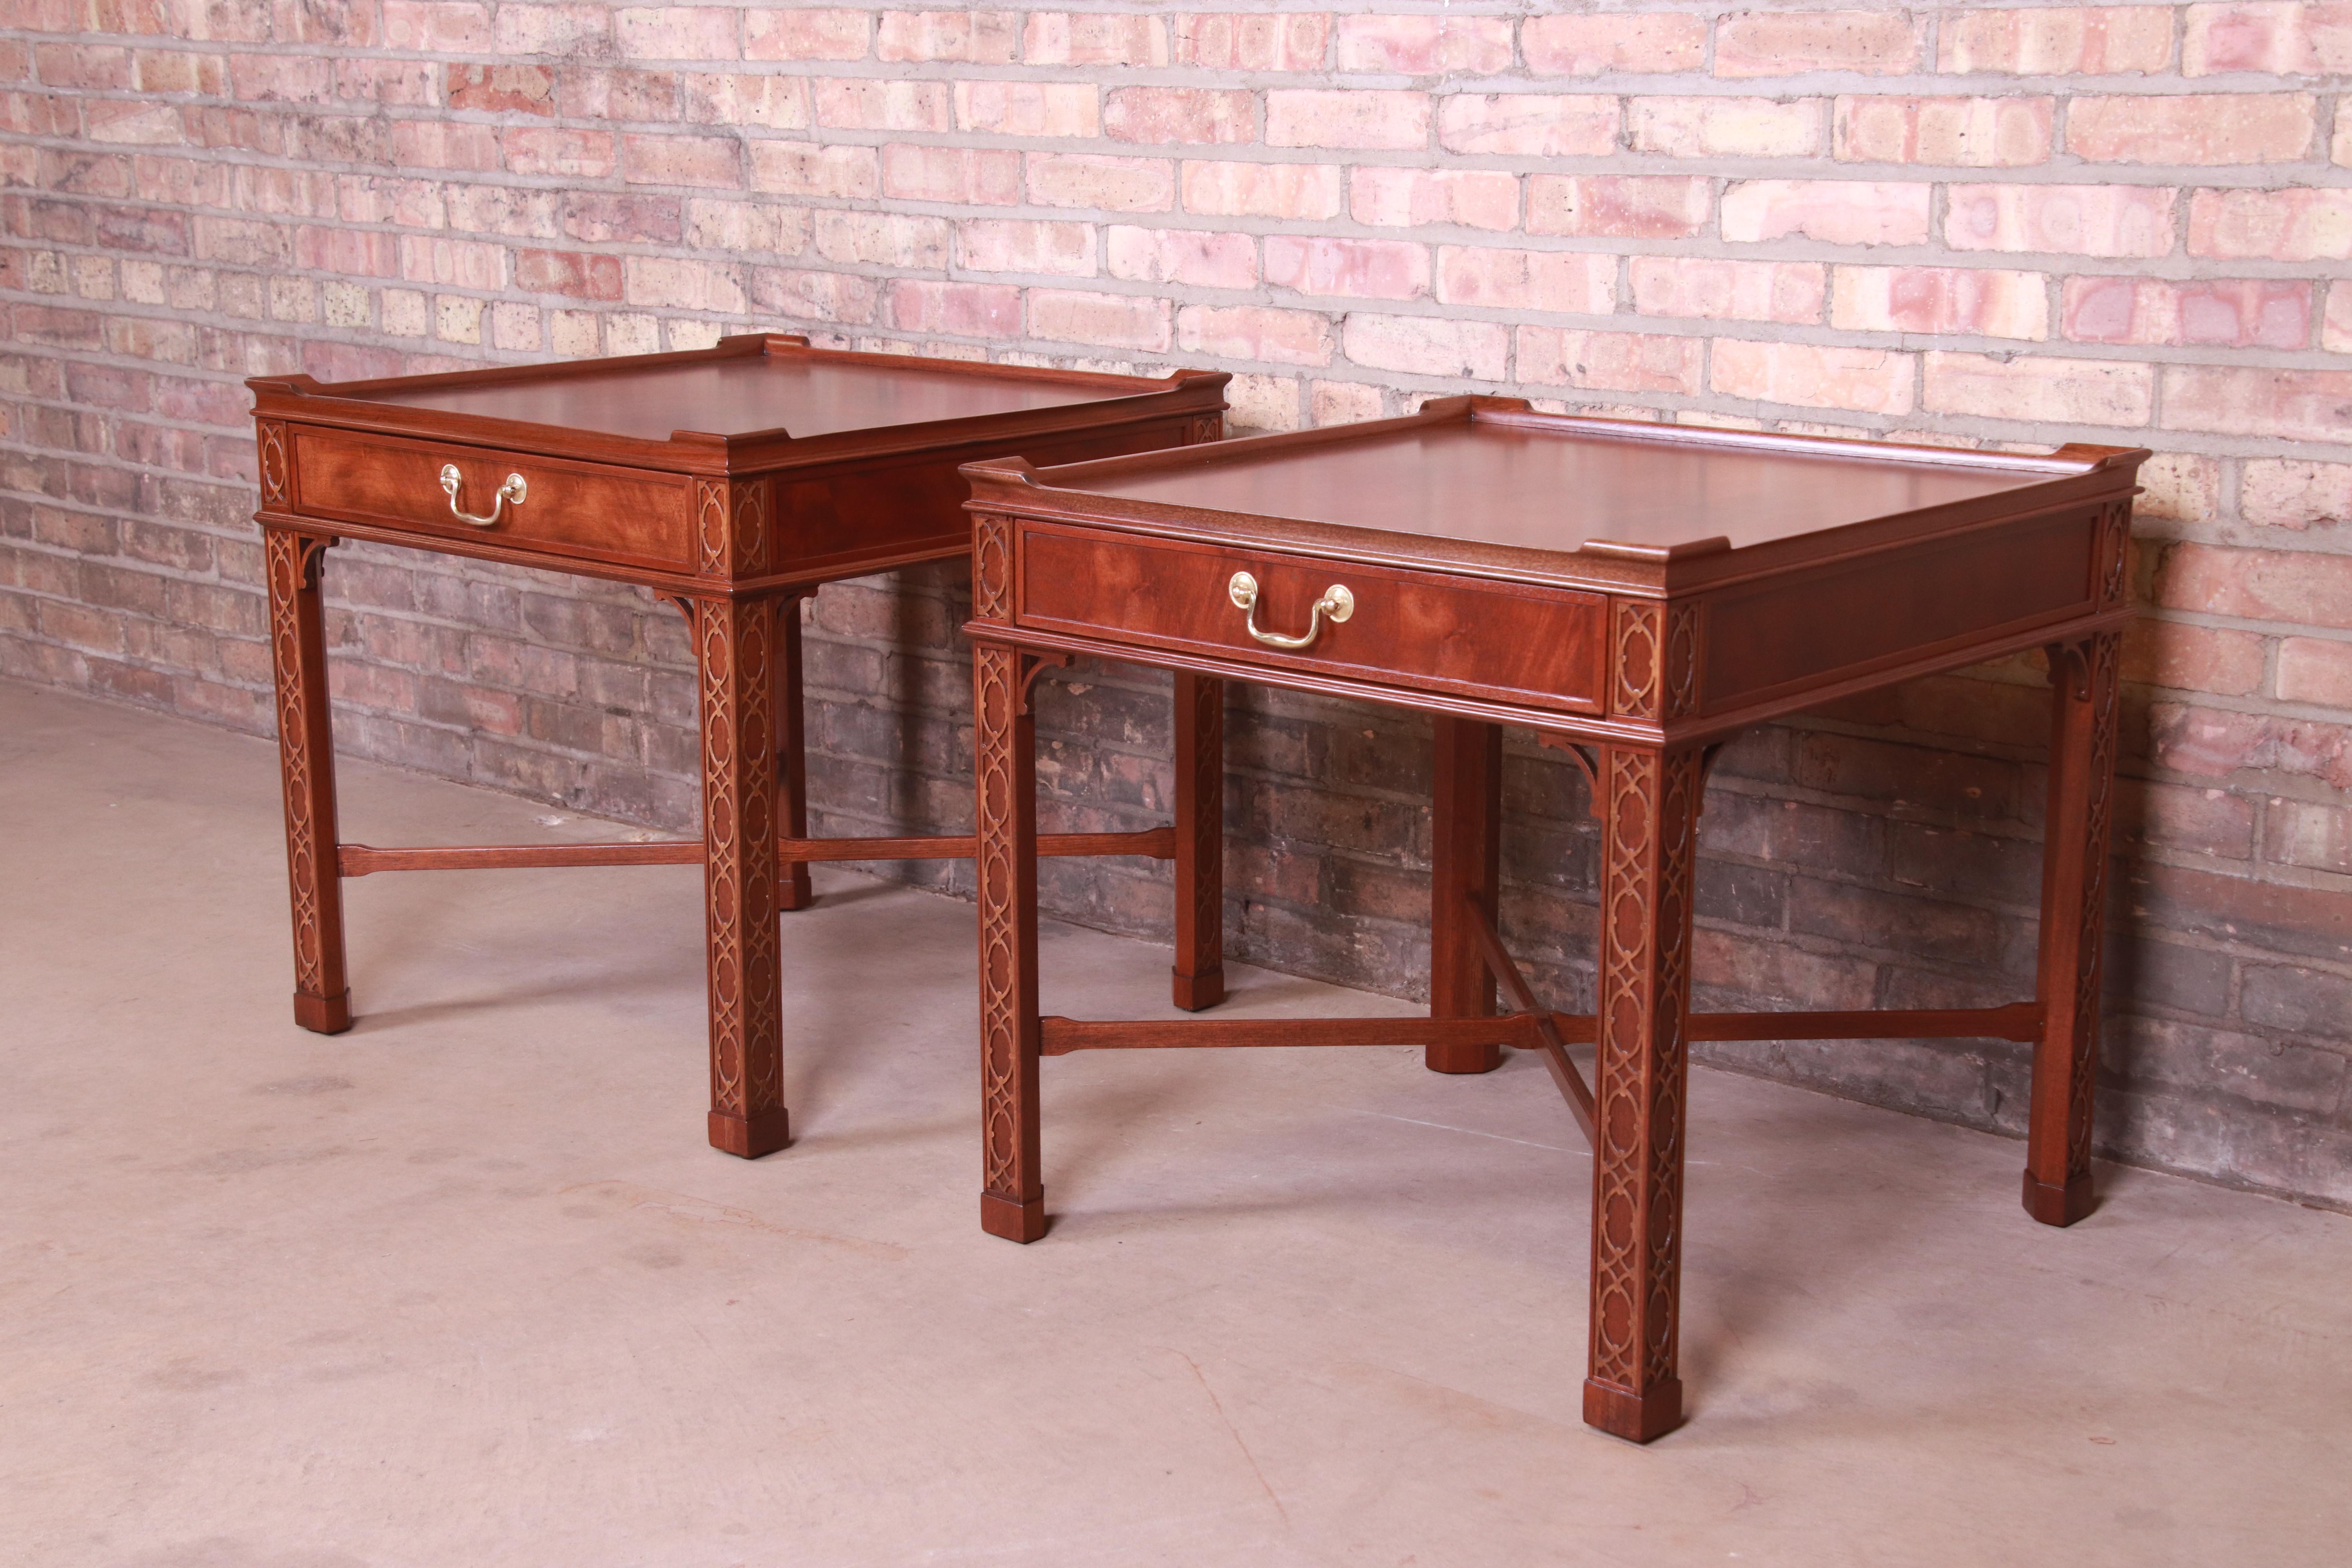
629,516
1427,630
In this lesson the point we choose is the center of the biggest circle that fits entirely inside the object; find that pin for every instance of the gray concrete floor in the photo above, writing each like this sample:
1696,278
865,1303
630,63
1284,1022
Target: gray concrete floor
465,1287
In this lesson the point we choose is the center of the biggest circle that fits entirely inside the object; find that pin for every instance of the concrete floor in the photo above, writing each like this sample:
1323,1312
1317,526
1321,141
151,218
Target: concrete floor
465,1286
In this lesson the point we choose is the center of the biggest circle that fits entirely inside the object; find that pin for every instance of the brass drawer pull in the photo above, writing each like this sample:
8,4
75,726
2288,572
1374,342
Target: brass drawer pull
514,490
1337,604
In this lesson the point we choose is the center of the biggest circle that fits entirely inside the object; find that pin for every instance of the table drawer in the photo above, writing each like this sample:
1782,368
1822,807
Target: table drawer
631,515
1429,630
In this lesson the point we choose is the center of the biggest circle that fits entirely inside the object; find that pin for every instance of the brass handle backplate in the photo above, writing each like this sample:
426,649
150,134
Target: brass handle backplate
1336,604
514,490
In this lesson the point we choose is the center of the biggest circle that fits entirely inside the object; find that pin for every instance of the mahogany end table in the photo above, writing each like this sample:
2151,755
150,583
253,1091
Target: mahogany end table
732,481
1635,593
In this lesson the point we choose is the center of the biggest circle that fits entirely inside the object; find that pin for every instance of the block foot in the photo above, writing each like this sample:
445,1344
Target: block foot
1636,1417
1194,992
1013,1221
749,1137
2059,1206
793,889
323,1014
1462,1058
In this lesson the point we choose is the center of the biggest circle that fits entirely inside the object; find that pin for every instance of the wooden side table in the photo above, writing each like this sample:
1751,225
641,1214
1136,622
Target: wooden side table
1635,593
732,481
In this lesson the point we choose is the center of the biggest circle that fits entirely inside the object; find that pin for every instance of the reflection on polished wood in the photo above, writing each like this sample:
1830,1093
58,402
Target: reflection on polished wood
1638,594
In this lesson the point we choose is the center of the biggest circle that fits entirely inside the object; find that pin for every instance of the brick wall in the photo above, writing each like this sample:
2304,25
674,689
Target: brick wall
1980,225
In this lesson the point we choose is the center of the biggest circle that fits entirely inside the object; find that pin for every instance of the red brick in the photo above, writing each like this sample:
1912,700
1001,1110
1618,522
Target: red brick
1359,269
673,283
430,27
1941,300
2180,487
1302,117
2245,313
1766,43
2276,39
2192,128
1628,207
1528,125
2295,587
1113,184
1597,46
1113,320
1261,189
1027,108
706,161
1564,282
1707,287
1428,345
2057,40
1180,256
440,144
963,37
2285,492
800,169
2297,224
1407,198
963,309
562,150
2074,220
871,103
569,29
1957,133
1255,332
1280,42
582,274
2058,391
1835,212
883,240
2309,834
1726,127
2316,670
678,33
981,176
797,34
1425,45
1867,380
1092,38
1166,114
1006,245
777,102
1609,362
2277,405
806,296
2213,743
2335,327
2193,658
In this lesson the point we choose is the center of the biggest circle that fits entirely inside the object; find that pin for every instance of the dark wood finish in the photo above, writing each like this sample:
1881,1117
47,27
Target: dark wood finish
1638,594
1198,976
1004,775
731,480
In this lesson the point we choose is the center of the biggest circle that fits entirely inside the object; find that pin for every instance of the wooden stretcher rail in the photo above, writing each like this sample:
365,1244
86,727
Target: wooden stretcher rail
362,859
2015,1021
1548,1039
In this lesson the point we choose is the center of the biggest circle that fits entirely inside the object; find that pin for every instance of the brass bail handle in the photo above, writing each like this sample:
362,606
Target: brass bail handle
1336,604
513,490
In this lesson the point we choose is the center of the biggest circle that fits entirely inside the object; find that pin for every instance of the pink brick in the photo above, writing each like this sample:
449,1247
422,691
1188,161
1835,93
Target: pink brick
1594,46
2075,220
2054,391
2298,224
1298,117
573,29
429,28
1254,332
1027,108
1113,320
1427,345
1343,402
1942,301
1866,381
963,38
707,161
1261,190
1835,212
2313,670
2297,587
1226,42
1768,43
2276,404
2192,659
1569,283
444,144
882,239
2057,40
2276,39
678,32
1180,114
793,34
802,169
1180,256
671,282
1528,124
777,102
2243,313
1425,45
1092,38
560,150
2335,328
1089,180
961,310
2192,128
873,103
981,177
1727,127
2288,492
1359,269
1406,199
455,263
1955,132
1609,362
1632,206
1708,286
1007,244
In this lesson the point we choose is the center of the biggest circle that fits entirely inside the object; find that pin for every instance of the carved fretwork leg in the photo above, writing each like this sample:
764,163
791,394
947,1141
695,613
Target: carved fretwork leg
2073,901
1004,768
1650,805
306,752
792,890
1465,821
1200,974
735,645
